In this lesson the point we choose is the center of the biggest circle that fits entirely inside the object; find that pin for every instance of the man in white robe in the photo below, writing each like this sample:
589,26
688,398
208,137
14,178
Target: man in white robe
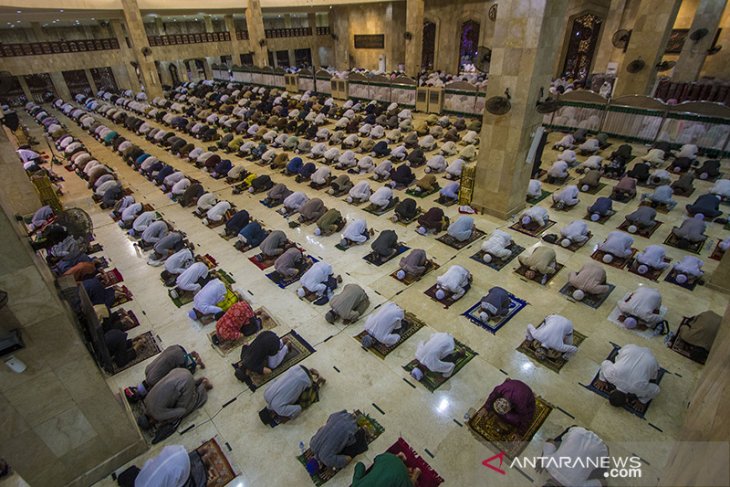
555,333
454,281
382,324
575,443
631,373
432,353
188,280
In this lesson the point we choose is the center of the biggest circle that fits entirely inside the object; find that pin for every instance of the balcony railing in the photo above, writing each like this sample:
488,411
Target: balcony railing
178,39
57,47
323,31
242,35
288,32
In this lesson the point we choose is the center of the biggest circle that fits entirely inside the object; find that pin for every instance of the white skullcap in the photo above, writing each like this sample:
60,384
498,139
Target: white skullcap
607,258
401,274
578,295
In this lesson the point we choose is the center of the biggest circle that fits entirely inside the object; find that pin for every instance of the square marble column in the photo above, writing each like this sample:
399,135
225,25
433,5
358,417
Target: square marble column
526,43
414,45
235,48
692,57
138,39
256,34
312,21
605,51
59,84
91,81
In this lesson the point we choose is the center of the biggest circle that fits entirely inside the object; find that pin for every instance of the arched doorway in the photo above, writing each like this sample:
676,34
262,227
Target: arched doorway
582,44
468,43
174,76
428,53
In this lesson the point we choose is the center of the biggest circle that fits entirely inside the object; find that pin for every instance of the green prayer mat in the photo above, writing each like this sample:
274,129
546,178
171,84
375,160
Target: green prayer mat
183,297
595,189
554,364
223,276
434,380
417,193
381,350
544,194
299,349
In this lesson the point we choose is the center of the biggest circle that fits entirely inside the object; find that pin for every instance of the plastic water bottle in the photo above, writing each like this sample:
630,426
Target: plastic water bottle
301,447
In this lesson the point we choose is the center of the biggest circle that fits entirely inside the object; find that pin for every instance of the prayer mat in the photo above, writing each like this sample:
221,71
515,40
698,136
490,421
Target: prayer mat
122,295
216,463
641,232
227,236
434,380
227,279
684,348
168,279
283,282
595,189
601,220
410,278
429,477
93,249
687,194
216,224
316,186
503,436
287,212
713,179
556,181
593,300
401,187
381,350
374,210
183,297
660,208
354,203
127,318
694,247
533,201
493,325
691,283
447,239
226,347
306,399
109,278
417,193
446,202
652,274
419,211
717,252
372,430
147,207
447,301
534,232
555,239
270,204
554,364
207,260
642,329
376,260
633,405
299,349
103,263
499,264
618,263
146,346
565,208
522,270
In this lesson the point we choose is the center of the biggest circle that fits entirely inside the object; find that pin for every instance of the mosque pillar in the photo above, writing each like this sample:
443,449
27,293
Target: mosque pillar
652,27
692,57
606,50
256,34
340,25
59,84
91,81
208,70
720,278
527,41
24,86
235,48
165,76
138,39
121,77
312,21
414,45
130,81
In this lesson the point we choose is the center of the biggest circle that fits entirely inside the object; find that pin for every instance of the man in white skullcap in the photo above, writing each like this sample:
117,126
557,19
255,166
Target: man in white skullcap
617,245
496,246
554,334
643,304
436,355
382,325
316,280
631,373
652,257
535,217
454,281
575,232
567,197
690,267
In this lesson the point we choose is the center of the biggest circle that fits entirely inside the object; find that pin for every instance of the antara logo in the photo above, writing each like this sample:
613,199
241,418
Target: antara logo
488,463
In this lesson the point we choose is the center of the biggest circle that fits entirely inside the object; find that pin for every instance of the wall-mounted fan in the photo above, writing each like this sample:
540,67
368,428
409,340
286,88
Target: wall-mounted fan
635,66
146,51
621,38
548,105
698,34
499,105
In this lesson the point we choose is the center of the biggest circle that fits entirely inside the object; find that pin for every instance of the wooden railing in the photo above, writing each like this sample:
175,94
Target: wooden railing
179,39
323,31
288,32
57,47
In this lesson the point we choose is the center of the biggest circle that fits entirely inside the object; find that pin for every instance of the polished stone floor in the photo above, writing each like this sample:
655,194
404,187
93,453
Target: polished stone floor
433,423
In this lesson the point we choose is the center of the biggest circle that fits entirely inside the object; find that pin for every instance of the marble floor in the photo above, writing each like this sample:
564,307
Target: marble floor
433,423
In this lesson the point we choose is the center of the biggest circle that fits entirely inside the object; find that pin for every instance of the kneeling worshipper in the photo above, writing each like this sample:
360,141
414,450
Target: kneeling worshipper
449,193
206,202
462,229
318,279
383,326
329,223
290,263
436,164
141,223
414,265
495,304
437,355
190,278
534,189
296,387
433,221
497,245
238,320
455,281
625,189
514,403
387,470
294,201
631,374
175,396
173,357
170,468
386,245
643,304
684,185
98,293
698,334
707,205
643,218
602,207
688,150
567,142
575,232
265,353
382,198
567,197
591,163
454,169
662,195
710,169
340,185
590,180
542,260
535,217
252,234
660,177
41,218
405,211
274,245
312,210
236,222
349,305
655,157
690,267
360,192
321,176
355,233
584,449
692,230
217,212
206,300
557,172
335,444
277,194
179,261
590,146
154,232
590,279
617,245
165,247
553,338
121,350
721,188
652,257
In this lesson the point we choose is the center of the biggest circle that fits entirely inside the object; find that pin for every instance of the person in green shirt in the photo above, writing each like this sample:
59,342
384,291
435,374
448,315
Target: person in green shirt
388,470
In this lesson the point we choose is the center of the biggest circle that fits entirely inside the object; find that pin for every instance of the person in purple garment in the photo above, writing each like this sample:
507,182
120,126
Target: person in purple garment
514,403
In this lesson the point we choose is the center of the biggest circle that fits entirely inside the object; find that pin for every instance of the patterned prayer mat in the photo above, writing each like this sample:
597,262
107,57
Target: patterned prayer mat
207,260
316,186
593,300
601,220
717,252
381,350
270,204
504,437
633,405
111,277
227,236
493,325
429,477
447,239
283,282
299,349
522,270
410,279
554,364
216,224
595,189
660,208
499,264
419,211
127,317
517,226
122,295
641,232
354,203
146,345
446,202
93,249
372,430
447,301
262,262
652,274
227,279
216,463
555,239
376,260
694,247
642,329
183,297
544,194
684,348
434,380
687,194
306,399
691,283
564,208
226,347
618,263
374,210
417,193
